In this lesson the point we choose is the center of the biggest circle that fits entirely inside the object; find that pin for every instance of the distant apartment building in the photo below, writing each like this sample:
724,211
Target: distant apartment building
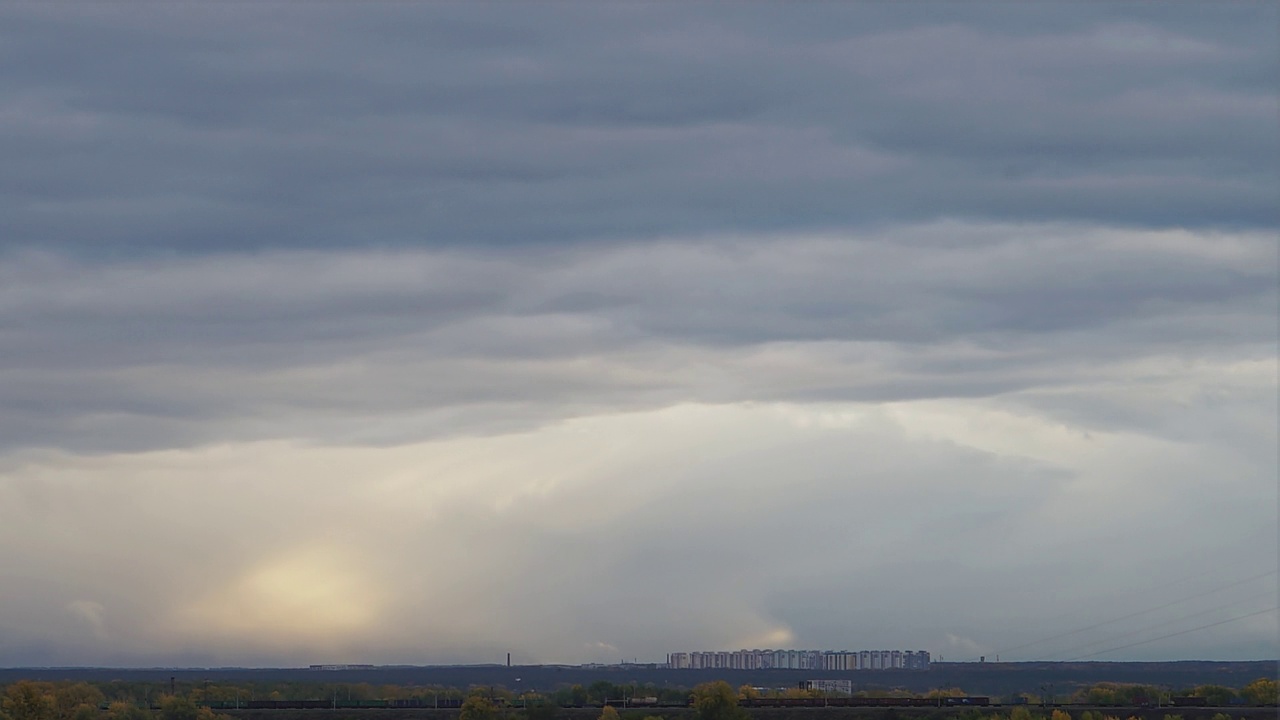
915,660
833,660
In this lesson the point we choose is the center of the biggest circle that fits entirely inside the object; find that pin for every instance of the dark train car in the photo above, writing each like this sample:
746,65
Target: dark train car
858,701
1189,701
979,700
783,702
425,703
288,704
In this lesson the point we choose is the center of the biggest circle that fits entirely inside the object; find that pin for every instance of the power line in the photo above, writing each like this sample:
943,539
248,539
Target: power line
1218,589
1161,624
1181,632
1218,566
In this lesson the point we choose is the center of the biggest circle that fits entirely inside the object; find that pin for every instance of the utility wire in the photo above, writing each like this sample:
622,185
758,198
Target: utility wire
1139,631
1181,632
1218,589
1218,566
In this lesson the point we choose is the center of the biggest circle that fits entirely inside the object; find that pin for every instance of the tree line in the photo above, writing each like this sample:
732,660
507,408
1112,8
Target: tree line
30,700
115,700
1259,692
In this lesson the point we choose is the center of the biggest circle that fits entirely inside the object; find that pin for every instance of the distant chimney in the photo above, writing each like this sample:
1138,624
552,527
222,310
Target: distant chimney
508,659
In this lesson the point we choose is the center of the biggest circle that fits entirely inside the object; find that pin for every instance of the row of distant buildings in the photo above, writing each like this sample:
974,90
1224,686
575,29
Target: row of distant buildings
800,660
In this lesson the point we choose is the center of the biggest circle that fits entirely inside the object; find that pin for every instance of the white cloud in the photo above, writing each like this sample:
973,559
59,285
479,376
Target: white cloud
690,526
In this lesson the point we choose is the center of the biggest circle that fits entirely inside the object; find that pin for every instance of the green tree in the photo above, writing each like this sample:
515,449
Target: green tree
602,690
175,707
478,707
608,713
124,710
26,700
1061,715
69,697
360,691
1109,693
501,695
1217,695
1020,713
717,701
86,712
537,707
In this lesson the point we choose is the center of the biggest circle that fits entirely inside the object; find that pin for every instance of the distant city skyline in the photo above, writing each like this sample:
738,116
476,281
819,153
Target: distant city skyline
800,660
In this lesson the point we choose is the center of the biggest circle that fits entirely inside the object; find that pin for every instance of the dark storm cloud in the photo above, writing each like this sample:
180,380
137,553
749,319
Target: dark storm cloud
128,130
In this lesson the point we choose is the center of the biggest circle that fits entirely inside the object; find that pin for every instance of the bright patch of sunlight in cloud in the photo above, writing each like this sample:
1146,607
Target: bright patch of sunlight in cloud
311,592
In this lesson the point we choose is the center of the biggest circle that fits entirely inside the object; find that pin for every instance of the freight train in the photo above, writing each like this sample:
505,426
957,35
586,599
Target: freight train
757,702
784,702
336,704
443,703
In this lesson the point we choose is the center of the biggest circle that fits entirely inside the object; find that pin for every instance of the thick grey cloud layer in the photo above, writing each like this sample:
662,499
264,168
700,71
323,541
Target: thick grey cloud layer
131,128
185,350
403,333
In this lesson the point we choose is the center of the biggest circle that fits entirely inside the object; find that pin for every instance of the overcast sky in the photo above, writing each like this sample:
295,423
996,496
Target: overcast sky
421,333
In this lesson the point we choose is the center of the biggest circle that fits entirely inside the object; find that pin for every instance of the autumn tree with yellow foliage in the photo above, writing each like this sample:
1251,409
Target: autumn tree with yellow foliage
1262,691
717,701
478,707
26,700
